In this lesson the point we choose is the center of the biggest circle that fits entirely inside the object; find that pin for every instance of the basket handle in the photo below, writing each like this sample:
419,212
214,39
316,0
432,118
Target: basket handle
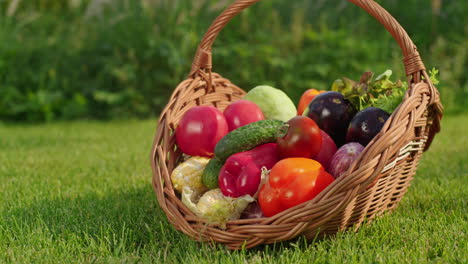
412,61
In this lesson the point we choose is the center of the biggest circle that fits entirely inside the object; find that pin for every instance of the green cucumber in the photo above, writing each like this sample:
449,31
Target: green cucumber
249,136
211,172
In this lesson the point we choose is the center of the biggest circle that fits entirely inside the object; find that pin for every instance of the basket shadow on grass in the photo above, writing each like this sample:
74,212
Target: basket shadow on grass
124,218
131,220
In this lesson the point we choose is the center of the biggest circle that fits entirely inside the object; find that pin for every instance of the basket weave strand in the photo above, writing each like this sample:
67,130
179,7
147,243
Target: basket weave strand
374,183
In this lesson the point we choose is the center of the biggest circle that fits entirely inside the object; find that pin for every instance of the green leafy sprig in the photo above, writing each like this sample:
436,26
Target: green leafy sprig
378,92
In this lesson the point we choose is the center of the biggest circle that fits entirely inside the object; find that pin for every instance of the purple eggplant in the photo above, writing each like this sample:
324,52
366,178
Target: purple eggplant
366,125
332,113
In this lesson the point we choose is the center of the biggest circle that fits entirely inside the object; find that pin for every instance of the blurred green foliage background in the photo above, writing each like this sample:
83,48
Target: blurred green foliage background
106,59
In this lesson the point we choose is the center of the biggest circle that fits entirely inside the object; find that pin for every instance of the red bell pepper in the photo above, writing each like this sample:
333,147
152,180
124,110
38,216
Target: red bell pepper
291,182
241,174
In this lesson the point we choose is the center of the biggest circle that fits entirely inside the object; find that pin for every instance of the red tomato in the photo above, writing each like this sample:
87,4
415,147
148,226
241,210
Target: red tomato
302,140
241,113
306,98
200,129
292,181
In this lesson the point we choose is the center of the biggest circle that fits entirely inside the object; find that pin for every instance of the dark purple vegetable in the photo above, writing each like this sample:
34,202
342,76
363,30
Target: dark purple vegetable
252,211
366,125
332,113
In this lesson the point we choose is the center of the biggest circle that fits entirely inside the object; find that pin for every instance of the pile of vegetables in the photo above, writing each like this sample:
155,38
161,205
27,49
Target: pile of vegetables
262,156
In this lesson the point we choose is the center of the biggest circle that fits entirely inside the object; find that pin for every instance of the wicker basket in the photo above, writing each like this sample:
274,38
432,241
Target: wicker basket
374,184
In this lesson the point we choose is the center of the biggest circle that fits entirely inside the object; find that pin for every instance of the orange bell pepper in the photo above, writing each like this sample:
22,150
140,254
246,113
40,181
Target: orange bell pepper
291,182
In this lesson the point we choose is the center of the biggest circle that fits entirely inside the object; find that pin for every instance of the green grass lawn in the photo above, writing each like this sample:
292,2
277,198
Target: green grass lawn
81,192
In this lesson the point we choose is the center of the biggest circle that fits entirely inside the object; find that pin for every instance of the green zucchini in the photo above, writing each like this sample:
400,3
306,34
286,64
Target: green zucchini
249,136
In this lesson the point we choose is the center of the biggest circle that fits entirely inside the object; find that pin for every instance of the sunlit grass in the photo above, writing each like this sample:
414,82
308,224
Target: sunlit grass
81,192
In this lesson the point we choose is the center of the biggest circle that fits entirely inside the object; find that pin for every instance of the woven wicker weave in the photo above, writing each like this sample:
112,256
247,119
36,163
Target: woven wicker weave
374,184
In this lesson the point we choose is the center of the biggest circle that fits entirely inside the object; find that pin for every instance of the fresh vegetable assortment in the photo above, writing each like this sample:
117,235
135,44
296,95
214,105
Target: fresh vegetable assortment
261,156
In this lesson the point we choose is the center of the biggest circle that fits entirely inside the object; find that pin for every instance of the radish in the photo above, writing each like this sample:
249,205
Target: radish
241,113
199,130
